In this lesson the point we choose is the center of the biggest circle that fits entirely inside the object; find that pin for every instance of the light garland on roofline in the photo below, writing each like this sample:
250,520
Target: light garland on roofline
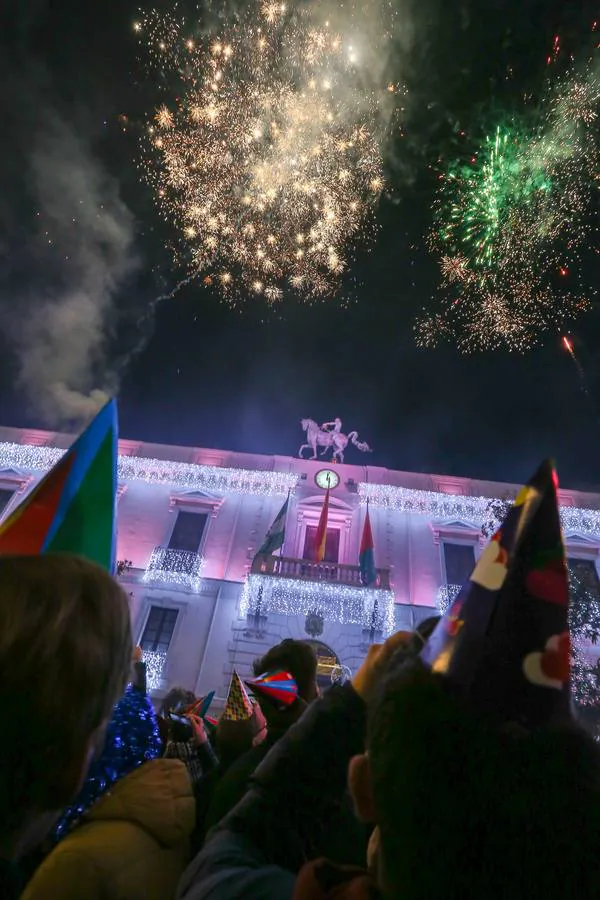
179,568
219,479
336,602
474,510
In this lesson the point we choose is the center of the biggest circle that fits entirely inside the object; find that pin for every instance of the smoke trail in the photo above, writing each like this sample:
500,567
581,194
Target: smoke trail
84,254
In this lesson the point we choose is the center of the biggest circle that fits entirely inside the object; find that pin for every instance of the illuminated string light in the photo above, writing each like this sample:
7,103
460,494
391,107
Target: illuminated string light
473,510
155,666
159,471
446,595
337,602
181,568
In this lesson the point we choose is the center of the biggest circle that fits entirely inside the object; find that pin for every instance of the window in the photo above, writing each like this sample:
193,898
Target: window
5,498
459,561
188,531
586,574
159,629
332,544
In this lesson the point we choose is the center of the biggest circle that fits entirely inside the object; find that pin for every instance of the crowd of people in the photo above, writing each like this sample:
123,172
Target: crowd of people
450,766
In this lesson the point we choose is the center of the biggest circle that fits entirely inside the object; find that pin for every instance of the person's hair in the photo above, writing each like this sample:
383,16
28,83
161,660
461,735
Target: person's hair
177,696
468,808
65,654
296,657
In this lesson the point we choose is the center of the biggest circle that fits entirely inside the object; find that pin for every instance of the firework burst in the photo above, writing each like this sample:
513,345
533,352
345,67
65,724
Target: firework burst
511,221
269,162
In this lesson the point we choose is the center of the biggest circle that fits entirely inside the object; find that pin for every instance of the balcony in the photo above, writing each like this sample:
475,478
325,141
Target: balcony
283,586
306,570
180,568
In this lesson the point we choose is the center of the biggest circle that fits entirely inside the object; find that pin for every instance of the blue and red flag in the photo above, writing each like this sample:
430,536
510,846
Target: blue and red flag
366,557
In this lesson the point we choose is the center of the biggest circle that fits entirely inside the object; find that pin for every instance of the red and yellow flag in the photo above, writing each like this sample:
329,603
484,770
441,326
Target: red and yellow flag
321,535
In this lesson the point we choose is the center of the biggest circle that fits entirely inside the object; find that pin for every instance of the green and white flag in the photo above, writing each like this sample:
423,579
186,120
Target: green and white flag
276,533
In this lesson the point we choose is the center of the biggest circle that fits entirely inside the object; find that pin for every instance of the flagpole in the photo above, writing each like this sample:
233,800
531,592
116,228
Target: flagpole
281,551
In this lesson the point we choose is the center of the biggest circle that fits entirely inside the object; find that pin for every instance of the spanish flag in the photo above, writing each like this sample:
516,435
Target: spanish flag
72,509
321,535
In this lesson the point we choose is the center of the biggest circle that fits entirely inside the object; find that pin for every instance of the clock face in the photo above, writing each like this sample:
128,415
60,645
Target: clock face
327,478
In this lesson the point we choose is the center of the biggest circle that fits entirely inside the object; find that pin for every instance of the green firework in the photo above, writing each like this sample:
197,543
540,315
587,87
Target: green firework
480,200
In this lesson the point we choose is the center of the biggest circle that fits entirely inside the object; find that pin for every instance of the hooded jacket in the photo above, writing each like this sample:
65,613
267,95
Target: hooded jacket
132,844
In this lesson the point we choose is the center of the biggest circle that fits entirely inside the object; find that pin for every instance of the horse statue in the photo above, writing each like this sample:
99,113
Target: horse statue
335,440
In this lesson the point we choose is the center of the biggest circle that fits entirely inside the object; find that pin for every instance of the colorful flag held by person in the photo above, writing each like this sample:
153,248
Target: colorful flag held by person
366,557
276,533
72,509
321,535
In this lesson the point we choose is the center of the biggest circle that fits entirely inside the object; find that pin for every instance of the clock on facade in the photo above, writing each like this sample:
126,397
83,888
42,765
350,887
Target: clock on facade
327,478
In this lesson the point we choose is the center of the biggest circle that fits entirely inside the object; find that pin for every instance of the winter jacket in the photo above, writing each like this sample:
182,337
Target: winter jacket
346,843
133,844
291,806
233,784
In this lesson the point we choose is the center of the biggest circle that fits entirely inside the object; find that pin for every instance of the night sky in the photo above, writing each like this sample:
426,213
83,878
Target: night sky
191,370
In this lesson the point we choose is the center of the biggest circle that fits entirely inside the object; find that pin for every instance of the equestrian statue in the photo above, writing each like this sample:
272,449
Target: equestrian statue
329,436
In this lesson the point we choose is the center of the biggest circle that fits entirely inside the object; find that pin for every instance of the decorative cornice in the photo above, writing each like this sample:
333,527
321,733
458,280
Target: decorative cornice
196,501
452,507
159,471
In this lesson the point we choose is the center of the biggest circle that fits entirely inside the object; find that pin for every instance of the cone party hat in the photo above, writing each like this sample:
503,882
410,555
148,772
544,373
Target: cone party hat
504,641
277,686
238,706
72,509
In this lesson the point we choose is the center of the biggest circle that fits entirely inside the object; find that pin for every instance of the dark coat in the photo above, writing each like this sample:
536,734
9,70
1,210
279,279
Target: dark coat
291,807
233,784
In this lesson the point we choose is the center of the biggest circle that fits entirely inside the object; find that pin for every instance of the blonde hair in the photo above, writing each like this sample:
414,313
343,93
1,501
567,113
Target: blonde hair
65,653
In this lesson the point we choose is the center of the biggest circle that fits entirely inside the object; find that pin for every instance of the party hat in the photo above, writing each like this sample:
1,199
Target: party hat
238,706
277,686
72,509
504,642
201,706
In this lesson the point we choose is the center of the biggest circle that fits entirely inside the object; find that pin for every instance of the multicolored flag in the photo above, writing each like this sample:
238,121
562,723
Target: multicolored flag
321,535
504,642
366,556
72,509
276,533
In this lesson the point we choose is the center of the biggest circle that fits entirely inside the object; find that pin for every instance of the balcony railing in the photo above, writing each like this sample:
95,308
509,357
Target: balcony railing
307,570
181,568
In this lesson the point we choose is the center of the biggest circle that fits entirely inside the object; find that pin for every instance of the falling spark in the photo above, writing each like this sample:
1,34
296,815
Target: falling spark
270,134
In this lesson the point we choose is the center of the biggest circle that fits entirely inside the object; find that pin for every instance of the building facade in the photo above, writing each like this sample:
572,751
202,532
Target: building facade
204,601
